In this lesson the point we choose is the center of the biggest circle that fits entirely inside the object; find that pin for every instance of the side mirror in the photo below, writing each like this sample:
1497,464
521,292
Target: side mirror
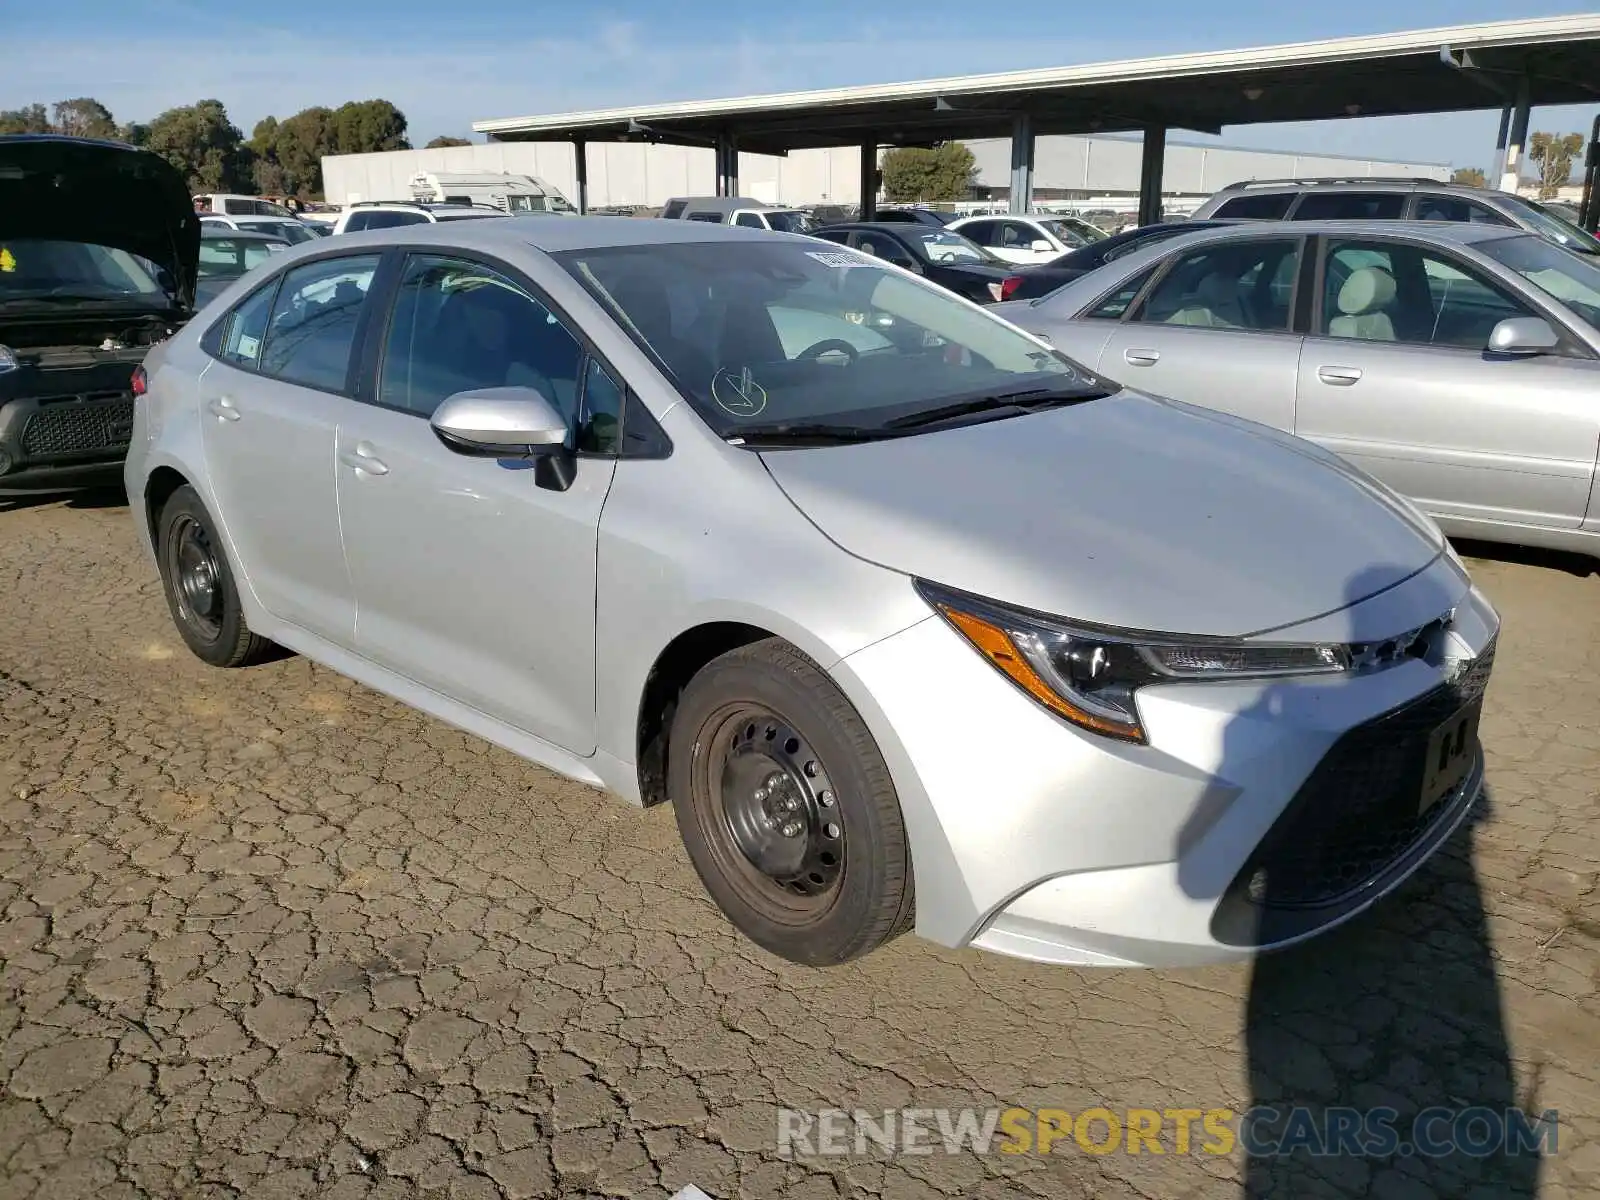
1042,246
1522,336
517,423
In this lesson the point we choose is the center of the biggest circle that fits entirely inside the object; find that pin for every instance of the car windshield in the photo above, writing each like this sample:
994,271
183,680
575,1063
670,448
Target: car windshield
788,221
36,268
758,333
1553,227
225,257
942,246
1574,281
293,232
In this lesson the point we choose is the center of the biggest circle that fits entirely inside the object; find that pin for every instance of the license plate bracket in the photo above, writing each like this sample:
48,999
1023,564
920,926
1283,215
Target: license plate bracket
1452,749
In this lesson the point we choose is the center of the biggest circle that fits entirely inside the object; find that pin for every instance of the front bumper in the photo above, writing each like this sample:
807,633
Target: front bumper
1035,839
71,438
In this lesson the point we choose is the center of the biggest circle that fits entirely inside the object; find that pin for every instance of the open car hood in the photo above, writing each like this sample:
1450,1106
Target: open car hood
103,193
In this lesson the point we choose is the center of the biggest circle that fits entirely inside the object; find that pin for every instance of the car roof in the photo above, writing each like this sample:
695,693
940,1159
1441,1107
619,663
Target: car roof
1458,232
569,233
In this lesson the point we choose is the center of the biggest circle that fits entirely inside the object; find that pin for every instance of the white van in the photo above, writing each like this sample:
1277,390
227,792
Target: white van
509,193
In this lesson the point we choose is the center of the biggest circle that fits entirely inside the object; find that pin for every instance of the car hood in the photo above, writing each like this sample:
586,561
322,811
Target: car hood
103,193
1127,511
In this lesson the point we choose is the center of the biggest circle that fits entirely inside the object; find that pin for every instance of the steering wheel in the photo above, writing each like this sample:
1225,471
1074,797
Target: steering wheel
830,346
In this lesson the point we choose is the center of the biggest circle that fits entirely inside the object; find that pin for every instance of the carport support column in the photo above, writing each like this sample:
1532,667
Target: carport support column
869,179
1021,199
580,161
727,165
1153,163
1511,168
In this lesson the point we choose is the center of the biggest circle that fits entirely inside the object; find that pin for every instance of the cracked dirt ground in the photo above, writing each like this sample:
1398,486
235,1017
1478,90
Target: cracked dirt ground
267,933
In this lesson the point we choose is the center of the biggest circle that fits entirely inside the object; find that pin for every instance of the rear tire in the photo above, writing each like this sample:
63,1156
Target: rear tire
199,586
787,809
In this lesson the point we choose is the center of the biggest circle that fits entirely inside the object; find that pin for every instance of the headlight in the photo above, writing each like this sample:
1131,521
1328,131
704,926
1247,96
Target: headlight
1089,675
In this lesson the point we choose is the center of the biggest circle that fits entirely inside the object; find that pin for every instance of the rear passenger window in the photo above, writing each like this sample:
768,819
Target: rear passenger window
388,220
1351,206
1114,306
673,210
313,325
247,328
459,326
749,220
1265,206
714,217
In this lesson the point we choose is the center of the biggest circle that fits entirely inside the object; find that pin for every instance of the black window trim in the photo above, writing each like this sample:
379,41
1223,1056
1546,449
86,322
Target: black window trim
1568,345
367,361
1168,264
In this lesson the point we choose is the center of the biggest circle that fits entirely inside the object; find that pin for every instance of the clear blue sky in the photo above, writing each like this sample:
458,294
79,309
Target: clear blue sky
447,64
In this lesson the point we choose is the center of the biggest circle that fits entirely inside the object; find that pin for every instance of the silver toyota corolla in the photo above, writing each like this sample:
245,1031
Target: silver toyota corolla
914,620
1458,363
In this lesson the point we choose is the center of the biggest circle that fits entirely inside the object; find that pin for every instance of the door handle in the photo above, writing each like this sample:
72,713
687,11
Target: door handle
1141,358
1339,376
363,459
224,408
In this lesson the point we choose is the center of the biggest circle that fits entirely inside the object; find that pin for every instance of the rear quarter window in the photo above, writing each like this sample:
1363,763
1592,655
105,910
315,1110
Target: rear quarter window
1351,206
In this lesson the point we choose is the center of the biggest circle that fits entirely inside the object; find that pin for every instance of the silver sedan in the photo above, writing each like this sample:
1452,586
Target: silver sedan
1460,364
913,620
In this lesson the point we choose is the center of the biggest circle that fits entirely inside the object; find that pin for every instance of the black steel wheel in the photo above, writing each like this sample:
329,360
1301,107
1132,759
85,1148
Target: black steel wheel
786,807
199,585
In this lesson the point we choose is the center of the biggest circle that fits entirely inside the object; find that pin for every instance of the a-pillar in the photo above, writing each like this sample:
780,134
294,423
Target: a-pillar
1153,161
1022,164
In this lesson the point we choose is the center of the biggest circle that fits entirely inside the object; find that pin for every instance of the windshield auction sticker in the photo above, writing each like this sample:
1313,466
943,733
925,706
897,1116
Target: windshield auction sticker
839,258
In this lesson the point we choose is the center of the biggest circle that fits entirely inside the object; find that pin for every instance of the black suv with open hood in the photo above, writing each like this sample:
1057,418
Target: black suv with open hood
99,249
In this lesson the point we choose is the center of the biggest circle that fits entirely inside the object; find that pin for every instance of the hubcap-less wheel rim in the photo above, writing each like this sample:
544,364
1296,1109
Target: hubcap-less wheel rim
779,809
196,577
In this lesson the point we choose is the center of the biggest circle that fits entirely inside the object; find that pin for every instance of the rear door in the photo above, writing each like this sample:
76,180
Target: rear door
1216,329
270,405
1395,378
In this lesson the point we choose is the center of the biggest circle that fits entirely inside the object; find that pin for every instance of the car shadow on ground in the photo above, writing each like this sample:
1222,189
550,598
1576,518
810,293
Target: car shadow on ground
1581,565
99,497
1378,1058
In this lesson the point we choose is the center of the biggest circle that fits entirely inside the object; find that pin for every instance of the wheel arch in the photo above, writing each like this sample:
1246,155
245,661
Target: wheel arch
677,663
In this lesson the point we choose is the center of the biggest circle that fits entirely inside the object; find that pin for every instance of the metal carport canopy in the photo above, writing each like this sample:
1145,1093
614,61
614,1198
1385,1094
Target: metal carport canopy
1425,71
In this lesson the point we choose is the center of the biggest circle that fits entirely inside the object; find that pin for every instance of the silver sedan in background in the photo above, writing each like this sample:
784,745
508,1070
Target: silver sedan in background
930,627
1458,363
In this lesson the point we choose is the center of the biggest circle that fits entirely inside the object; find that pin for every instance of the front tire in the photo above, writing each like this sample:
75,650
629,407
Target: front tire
786,807
199,586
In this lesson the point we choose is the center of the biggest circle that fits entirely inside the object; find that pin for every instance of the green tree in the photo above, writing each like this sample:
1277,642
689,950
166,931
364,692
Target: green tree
943,173
298,144
31,119
133,133
83,117
201,142
1471,176
443,140
1554,154
365,126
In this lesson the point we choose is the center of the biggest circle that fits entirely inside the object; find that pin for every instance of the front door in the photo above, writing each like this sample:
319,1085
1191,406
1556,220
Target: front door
1216,331
269,405
469,578
1396,379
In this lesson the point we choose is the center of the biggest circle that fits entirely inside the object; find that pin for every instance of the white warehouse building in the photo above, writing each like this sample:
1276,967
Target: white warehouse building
635,173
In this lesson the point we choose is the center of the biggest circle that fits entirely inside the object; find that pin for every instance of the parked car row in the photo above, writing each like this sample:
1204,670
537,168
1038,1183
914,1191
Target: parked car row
780,527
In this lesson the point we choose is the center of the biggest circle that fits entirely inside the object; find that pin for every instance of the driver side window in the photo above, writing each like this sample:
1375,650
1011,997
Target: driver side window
881,245
1393,292
458,326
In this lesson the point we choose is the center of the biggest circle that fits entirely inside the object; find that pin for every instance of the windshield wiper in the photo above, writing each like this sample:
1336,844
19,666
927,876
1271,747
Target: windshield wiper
1030,400
800,431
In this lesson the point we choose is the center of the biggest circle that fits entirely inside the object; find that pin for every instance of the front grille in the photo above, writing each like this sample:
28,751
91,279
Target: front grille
79,425
1353,820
